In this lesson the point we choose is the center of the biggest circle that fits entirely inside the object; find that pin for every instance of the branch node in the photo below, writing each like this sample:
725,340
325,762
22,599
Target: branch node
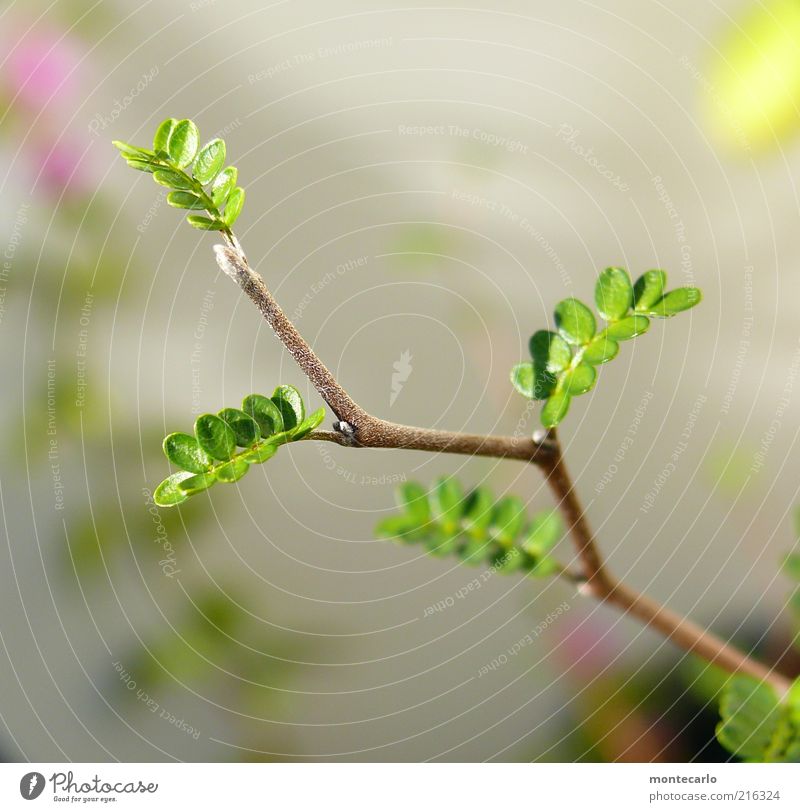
347,431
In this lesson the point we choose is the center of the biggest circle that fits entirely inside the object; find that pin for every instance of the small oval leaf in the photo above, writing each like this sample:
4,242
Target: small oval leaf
215,436
555,409
182,143
290,403
261,453
629,327
168,493
613,293
550,351
185,200
575,321
601,350
184,451
532,382
233,470
161,138
265,413
676,301
245,428
308,425
223,184
204,223
579,380
233,206
649,288
543,534
209,161
197,483
172,180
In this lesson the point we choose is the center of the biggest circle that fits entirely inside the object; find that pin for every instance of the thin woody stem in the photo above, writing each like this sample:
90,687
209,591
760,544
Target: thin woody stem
357,428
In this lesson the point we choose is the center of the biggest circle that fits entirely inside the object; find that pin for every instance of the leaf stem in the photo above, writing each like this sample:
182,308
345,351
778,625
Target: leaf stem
355,427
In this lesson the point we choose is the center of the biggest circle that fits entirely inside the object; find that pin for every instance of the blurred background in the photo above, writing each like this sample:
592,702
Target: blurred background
424,184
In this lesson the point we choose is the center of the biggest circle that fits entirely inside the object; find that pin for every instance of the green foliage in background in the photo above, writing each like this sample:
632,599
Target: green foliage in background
194,174
210,455
564,363
475,527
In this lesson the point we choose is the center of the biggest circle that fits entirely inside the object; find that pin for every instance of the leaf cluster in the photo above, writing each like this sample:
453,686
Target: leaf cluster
474,526
564,363
756,725
196,176
211,454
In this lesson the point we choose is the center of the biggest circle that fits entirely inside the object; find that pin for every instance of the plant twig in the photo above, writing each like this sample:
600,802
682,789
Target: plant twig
357,428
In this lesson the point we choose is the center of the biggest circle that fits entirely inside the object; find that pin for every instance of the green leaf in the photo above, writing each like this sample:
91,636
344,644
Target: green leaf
549,351
290,404
508,519
223,185
308,425
142,166
414,499
532,381
578,380
629,327
245,428
205,223
544,568
197,483
613,293
448,500
215,436
791,566
136,153
676,301
395,527
555,409
261,453
233,206
265,413
544,533
185,200
161,138
233,470
601,350
575,321
649,288
751,718
479,507
168,493
184,451
172,180
182,143
209,161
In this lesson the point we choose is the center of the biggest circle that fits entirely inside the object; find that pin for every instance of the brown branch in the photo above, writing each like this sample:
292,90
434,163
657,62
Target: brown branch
356,427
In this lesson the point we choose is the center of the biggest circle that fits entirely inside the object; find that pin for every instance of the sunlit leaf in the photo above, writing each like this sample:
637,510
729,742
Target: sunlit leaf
215,436
182,143
613,293
209,161
629,327
649,288
184,451
579,380
555,409
575,321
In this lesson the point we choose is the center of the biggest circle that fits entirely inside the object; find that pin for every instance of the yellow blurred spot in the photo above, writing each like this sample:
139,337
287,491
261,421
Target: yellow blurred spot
753,94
